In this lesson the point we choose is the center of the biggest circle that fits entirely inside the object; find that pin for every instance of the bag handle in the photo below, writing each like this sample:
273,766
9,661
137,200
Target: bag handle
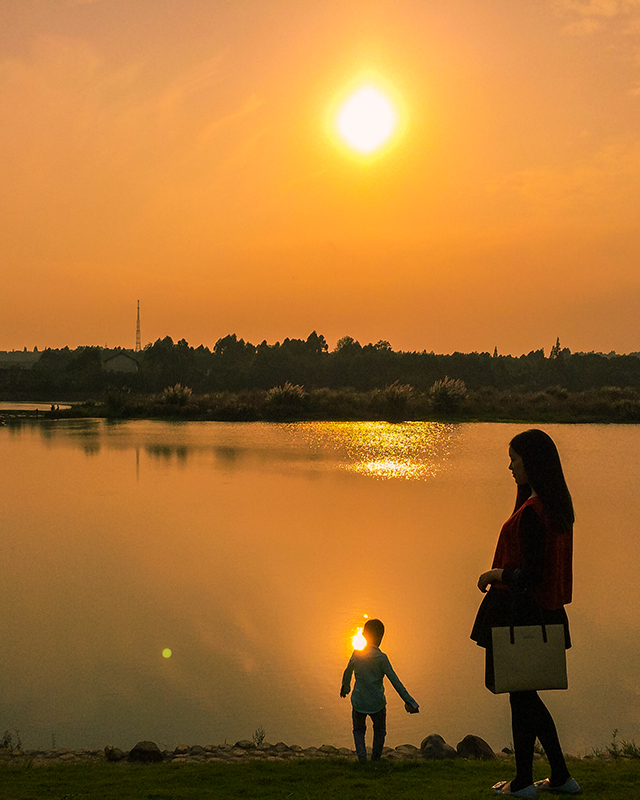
512,634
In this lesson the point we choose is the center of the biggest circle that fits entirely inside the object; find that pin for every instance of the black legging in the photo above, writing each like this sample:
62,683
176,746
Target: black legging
530,719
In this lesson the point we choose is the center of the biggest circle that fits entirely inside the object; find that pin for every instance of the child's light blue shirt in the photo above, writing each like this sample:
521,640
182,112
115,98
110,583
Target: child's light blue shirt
370,666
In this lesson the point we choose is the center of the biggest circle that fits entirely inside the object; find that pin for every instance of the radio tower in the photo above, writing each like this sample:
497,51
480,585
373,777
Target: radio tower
138,345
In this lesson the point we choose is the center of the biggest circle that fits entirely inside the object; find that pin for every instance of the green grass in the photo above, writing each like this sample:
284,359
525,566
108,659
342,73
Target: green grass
305,779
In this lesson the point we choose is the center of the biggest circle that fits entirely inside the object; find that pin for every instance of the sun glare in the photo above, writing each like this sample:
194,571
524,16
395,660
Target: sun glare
366,120
358,641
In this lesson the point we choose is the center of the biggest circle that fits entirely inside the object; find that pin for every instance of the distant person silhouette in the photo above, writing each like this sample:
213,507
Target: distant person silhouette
370,665
531,581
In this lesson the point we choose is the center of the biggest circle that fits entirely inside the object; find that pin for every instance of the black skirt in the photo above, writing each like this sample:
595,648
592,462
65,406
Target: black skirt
500,608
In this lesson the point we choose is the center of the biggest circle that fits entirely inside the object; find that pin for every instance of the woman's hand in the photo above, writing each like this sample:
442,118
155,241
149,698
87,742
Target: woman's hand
487,578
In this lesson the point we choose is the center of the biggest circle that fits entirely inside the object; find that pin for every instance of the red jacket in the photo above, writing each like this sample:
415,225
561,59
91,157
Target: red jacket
555,589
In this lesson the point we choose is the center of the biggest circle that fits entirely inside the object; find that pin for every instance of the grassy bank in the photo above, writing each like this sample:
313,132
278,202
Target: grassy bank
299,780
449,402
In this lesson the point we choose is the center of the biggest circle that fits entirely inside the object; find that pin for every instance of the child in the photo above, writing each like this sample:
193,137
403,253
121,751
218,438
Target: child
370,666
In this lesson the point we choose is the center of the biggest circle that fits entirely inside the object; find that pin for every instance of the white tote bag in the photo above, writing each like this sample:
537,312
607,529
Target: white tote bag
529,657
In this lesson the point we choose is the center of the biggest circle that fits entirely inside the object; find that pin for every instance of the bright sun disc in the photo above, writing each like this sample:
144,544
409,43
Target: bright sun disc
358,641
366,120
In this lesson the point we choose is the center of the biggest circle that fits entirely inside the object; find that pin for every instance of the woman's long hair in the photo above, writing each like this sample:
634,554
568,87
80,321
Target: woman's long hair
541,462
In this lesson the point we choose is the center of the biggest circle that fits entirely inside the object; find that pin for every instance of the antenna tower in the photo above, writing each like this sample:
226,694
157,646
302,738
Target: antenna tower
138,345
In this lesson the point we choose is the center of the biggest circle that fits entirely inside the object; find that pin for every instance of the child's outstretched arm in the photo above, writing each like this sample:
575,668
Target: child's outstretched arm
409,703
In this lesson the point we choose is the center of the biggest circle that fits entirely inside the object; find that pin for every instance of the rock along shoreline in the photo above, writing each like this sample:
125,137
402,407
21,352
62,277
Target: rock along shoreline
433,747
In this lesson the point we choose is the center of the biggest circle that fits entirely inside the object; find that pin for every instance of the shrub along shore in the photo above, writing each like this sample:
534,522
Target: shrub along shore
447,401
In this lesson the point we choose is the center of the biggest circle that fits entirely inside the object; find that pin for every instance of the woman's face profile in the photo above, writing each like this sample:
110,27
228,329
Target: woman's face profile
517,468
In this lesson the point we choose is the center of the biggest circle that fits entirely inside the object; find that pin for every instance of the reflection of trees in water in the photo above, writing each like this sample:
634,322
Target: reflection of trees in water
408,451
229,456
163,452
86,434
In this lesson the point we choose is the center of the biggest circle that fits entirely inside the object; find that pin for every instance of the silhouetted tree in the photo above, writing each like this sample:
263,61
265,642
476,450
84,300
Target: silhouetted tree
232,363
347,345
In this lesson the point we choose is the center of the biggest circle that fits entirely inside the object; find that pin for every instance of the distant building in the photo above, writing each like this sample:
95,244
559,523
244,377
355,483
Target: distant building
120,362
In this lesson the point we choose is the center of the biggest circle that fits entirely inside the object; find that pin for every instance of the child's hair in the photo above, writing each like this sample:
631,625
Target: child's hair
373,631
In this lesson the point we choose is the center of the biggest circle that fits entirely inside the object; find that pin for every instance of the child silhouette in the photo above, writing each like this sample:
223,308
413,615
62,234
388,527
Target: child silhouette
370,665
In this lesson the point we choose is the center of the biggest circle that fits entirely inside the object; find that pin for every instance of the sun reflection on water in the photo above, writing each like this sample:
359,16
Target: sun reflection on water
383,450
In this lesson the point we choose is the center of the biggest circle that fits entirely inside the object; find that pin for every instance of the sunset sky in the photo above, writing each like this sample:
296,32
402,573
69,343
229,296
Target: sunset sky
183,153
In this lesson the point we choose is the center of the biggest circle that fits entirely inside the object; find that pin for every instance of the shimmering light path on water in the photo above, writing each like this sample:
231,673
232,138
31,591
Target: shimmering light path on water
410,451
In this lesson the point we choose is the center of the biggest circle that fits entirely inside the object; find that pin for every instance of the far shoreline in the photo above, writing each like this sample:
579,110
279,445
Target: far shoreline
394,404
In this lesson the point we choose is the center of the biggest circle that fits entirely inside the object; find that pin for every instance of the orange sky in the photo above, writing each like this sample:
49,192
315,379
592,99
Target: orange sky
177,152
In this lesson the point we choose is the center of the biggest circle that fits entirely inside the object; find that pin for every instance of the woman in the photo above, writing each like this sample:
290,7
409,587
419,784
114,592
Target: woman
531,581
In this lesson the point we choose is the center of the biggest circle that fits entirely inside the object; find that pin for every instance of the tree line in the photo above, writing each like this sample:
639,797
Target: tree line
234,365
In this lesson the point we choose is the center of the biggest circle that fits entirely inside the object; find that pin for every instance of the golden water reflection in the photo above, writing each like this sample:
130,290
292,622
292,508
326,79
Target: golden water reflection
409,451
255,551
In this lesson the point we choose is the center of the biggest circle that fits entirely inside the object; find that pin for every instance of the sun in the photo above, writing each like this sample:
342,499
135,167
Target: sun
366,120
358,641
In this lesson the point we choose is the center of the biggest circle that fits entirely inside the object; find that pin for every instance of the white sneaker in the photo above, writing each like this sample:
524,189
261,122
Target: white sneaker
528,791
570,786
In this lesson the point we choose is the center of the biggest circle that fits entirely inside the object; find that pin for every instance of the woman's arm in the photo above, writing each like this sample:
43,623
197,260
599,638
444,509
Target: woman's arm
524,579
487,578
532,535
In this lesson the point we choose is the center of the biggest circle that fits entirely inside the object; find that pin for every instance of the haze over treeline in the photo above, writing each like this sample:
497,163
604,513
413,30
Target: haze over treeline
234,364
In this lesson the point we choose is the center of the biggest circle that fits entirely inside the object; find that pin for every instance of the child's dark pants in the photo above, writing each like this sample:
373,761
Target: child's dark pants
379,720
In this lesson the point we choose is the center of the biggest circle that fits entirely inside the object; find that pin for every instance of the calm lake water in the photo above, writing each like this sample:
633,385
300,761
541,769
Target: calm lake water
253,551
